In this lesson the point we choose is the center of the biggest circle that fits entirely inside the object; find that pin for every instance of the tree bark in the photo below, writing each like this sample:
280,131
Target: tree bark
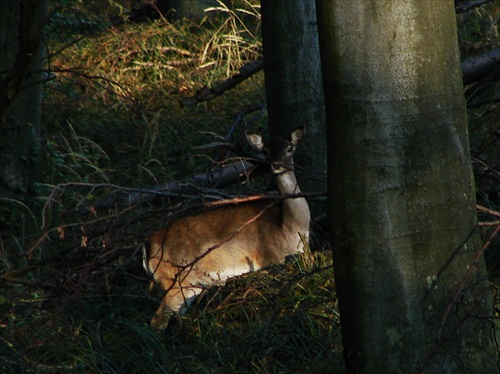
293,83
410,277
21,62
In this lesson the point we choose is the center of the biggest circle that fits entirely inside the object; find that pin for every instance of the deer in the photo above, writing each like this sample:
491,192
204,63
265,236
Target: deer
205,249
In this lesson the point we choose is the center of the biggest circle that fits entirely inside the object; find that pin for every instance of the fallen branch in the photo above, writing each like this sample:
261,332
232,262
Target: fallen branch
477,67
464,7
207,93
223,176
473,69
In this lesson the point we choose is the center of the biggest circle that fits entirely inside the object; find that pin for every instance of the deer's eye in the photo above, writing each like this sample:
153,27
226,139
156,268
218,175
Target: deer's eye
289,149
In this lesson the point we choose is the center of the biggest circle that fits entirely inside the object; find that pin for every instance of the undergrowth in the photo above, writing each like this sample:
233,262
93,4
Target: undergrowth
281,319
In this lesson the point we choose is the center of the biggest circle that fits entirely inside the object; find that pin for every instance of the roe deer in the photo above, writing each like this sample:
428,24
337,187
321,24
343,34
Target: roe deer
208,248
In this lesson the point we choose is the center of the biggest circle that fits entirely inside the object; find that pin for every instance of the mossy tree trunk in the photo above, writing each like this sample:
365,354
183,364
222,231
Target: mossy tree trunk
412,287
294,85
21,62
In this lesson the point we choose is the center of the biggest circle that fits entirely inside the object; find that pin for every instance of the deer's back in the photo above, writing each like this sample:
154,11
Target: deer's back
242,237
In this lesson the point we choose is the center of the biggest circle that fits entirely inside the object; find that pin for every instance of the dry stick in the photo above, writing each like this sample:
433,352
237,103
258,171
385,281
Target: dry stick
491,223
42,237
483,209
486,210
97,78
486,165
92,186
251,198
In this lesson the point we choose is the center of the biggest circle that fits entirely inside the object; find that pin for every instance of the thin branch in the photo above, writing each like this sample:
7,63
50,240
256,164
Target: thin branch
486,166
97,78
490,223
206,93
486,210
485,102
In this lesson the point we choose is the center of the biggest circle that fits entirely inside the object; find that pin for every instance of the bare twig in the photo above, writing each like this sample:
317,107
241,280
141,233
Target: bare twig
486,210
97,78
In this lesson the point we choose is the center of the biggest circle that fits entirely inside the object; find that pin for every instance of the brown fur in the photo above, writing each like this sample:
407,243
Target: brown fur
207,248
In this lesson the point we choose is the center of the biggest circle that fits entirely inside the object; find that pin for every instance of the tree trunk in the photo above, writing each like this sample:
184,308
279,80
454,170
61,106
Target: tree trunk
21,62
293,83
401,193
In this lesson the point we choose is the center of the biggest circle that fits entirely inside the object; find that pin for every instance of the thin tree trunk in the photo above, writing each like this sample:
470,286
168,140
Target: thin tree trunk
411,282
21,60
293,83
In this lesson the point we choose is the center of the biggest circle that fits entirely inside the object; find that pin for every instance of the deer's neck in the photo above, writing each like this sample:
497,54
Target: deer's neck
296,214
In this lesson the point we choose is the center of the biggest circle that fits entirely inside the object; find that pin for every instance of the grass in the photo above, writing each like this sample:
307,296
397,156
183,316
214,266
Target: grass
277,320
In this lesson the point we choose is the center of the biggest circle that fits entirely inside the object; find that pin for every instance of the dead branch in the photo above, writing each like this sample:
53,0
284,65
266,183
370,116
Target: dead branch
464,7
226,172
223,176
483,85
486,210
475,68
207,93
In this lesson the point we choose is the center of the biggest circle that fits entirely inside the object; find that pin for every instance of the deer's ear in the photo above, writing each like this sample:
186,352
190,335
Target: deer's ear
297,135
255,141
